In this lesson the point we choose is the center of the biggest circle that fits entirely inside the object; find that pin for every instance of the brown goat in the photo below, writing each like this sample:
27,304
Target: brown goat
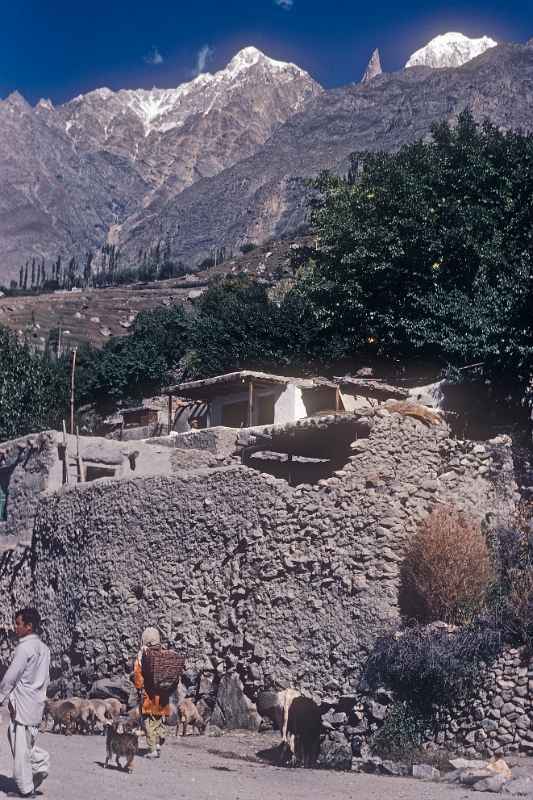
188,714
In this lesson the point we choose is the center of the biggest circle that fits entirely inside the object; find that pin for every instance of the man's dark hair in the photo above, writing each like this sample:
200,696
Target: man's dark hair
30,616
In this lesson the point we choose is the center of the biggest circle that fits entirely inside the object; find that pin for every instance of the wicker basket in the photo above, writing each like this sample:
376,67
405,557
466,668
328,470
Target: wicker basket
161,668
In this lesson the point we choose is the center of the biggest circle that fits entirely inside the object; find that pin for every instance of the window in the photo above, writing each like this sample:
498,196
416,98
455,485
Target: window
92,472
235,415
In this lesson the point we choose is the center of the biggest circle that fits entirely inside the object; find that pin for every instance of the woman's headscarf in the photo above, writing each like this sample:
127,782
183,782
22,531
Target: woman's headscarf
149,638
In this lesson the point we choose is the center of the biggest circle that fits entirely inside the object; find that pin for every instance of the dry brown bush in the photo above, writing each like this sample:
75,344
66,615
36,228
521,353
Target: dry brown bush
447,569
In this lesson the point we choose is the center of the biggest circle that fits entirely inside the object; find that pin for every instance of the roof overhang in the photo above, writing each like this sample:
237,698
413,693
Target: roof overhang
232,382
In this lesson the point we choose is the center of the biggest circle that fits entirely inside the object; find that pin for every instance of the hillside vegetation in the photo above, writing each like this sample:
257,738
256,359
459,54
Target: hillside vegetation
427,252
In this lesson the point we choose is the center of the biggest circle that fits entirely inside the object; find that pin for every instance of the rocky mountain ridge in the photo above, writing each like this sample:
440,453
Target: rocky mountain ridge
72,174
222,160
266,196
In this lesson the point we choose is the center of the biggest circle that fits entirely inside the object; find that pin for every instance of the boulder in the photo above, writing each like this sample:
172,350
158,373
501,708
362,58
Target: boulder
426,772
335,753
377,711
233,710
107,688
467,763
394,768
468,777
519,787
494,784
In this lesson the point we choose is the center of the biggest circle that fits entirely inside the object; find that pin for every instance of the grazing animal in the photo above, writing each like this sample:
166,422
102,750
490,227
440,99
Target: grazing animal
114,706
304,726
86,715
64,714
276,706
299,721
423,413
121,743
188,714
100,714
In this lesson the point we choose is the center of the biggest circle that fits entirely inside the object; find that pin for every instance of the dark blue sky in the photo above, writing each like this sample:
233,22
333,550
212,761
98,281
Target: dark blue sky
59,48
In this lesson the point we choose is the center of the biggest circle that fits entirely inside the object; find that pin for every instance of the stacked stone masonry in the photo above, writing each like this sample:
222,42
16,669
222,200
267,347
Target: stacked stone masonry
282,584
496,720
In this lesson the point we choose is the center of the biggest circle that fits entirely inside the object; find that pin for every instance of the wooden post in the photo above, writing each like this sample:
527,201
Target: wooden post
65,453
338,398
169,414
81,465
73,370
250,404
289,469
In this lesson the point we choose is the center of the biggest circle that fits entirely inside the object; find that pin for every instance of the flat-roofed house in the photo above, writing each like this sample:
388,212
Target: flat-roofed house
248,398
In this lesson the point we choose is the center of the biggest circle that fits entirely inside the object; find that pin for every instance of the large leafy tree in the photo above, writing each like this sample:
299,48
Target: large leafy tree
429,250
131,366
34,391
238,325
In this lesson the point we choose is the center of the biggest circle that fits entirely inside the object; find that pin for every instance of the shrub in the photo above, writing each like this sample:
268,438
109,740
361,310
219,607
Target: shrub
511,601
248,247
516,615
447,569
429,665
402,734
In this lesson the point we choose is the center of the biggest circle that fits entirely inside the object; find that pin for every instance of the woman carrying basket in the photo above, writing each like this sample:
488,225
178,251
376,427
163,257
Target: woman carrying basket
154,700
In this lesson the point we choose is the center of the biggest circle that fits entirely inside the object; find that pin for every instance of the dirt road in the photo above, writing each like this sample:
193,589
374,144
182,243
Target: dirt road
206,768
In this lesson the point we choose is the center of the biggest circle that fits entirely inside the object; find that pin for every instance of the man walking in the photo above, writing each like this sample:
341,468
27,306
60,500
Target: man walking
24,685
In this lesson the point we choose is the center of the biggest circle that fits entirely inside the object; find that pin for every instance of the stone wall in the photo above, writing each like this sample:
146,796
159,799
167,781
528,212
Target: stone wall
32,464
499,716
495,720
285,584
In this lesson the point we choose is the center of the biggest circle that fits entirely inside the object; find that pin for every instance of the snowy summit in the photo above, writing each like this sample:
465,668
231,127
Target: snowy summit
450,50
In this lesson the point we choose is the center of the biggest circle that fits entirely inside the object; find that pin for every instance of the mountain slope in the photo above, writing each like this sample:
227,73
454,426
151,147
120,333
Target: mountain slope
263,196
53,198
73,174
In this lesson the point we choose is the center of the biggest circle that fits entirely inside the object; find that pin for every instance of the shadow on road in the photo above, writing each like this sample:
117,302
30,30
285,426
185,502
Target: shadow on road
6,784
271,755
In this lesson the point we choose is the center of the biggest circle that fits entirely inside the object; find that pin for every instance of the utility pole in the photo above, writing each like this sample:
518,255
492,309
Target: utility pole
73,370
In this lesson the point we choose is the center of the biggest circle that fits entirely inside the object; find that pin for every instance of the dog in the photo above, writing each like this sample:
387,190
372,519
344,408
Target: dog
121,743
188,714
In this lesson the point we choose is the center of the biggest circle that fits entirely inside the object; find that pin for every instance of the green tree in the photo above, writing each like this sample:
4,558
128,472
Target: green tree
129,367
429,250
33,389
237,326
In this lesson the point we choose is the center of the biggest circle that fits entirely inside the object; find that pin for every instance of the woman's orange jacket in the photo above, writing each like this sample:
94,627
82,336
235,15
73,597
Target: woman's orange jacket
156,705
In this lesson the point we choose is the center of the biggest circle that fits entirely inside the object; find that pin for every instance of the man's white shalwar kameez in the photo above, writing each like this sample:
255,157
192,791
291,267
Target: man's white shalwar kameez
25,684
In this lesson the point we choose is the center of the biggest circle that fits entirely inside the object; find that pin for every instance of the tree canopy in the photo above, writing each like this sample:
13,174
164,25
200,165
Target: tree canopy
429,250
33,390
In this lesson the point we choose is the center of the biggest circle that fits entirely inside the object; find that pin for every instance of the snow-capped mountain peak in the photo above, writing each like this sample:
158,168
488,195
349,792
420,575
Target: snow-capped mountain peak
250,56
450,50
163,109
